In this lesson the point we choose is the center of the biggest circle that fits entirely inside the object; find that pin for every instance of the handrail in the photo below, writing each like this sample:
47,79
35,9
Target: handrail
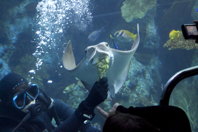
174,80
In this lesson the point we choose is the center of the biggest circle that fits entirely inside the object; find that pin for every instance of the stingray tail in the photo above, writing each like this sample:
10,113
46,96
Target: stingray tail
68,57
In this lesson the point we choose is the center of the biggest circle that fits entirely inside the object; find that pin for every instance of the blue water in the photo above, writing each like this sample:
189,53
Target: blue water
34,34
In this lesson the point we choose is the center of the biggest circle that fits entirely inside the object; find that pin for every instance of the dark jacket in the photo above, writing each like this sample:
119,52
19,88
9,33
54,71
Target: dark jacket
165,118
59,118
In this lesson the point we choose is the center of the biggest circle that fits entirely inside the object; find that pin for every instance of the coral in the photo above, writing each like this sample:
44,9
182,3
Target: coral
141,84
140,87
74,94
14,29
16,20
177,41
133,9
150,40
6,51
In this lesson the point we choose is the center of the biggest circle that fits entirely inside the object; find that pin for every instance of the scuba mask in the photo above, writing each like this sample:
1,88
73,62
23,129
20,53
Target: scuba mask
22,100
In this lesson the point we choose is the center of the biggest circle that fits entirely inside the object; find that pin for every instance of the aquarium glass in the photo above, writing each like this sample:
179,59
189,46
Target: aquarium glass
35,33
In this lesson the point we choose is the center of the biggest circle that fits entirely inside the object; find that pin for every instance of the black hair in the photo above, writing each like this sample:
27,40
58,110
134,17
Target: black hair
123,122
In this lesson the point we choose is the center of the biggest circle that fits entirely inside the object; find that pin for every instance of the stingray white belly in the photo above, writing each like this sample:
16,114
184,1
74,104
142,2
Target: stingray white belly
101,60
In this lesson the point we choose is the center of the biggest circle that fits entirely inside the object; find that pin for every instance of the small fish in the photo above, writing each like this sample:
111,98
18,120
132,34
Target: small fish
124,36
174,34
93,36
114,42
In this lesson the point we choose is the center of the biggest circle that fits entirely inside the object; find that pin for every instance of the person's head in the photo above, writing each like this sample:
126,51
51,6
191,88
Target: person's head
16,92
122,122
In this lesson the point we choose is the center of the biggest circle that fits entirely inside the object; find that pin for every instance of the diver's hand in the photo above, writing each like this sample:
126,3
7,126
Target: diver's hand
106,114
35,109
98,93
45,99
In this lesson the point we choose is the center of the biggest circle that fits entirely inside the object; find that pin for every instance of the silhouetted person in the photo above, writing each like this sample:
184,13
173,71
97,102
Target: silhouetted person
124,122
162,118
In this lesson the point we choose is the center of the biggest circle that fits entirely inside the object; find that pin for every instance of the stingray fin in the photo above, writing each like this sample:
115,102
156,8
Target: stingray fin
137,40
69,62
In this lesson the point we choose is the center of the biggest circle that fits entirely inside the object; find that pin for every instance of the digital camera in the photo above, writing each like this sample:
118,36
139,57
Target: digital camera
190,31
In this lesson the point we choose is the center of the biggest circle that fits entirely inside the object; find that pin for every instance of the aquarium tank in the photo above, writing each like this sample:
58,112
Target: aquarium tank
35,33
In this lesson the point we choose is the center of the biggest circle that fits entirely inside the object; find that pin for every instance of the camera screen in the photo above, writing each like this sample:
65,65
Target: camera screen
191,30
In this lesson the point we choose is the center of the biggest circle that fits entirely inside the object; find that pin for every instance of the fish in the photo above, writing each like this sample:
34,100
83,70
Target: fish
93,36
115,44
87,70
124,36
174,34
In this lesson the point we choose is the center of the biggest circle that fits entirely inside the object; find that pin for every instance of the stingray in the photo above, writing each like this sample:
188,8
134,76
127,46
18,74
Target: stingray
115,69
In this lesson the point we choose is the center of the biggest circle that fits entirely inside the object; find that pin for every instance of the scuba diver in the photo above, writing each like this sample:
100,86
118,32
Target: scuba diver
24,107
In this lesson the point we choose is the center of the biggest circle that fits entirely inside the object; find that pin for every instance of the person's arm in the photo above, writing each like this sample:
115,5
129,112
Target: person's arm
60,110
65,116
77,120
69,121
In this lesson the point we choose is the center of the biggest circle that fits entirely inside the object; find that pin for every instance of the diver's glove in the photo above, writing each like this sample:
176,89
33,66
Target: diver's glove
45,99
97,95
42,103
35,109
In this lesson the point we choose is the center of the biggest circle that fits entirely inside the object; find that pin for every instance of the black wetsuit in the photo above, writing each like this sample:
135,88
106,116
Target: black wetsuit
69,122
